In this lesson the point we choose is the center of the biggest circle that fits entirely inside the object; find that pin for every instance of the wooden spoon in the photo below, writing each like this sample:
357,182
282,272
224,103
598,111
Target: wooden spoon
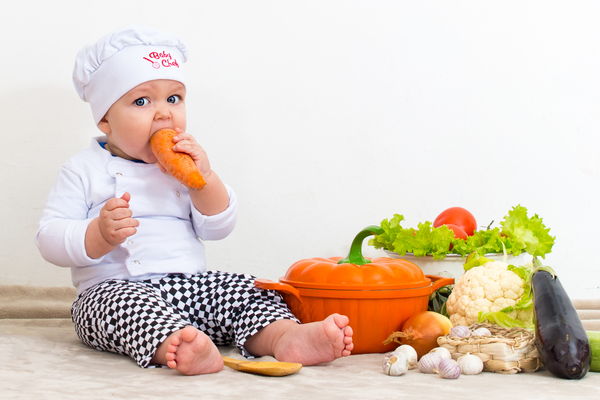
269,368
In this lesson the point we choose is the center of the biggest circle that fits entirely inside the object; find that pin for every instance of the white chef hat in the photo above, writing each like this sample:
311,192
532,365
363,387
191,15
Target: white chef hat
115,64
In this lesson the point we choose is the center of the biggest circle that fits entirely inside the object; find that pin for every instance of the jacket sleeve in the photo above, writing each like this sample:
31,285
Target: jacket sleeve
219,226
61,231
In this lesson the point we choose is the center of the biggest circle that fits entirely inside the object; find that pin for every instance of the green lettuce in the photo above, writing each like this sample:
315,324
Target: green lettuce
518,234
483,242
526,234
422,241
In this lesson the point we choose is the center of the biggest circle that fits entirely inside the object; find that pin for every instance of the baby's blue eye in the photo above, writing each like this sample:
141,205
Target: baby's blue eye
173,99
142,101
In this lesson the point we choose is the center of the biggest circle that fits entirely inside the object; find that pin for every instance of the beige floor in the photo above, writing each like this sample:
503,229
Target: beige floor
43,359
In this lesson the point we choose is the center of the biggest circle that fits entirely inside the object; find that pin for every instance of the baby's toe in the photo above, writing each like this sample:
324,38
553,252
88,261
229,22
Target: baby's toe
176,341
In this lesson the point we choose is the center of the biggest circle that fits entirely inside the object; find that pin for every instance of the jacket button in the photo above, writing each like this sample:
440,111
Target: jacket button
178,194
136,262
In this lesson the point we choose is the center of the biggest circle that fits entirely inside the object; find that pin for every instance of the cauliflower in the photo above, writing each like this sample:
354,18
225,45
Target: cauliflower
488,288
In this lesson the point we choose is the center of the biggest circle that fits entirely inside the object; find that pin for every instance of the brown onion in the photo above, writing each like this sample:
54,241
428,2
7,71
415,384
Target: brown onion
421,331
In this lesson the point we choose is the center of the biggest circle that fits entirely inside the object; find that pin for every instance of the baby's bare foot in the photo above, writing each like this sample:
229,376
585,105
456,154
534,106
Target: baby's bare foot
191,352
316,342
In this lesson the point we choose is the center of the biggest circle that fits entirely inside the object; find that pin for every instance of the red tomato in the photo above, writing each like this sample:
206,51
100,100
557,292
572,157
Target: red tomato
457,216
459,232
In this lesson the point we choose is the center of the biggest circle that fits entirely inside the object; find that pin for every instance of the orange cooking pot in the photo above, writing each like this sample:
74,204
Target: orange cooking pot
378,295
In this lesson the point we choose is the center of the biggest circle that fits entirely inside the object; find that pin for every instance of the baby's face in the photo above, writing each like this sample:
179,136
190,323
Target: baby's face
148,107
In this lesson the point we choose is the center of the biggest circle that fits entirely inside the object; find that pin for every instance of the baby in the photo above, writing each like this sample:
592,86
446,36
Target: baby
130,232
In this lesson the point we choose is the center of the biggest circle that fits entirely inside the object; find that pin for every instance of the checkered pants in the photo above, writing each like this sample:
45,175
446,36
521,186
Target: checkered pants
134,318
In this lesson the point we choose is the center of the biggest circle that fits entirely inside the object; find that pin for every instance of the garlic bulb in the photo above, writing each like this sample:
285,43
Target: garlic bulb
448,369
395,365
410,353
442,351
429,362
460,331
470,364
481,332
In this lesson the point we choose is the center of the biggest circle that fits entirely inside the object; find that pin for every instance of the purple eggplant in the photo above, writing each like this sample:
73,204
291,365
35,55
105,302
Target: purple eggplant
560,337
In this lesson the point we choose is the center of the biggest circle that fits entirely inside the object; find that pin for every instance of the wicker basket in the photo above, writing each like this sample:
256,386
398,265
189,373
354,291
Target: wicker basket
506,351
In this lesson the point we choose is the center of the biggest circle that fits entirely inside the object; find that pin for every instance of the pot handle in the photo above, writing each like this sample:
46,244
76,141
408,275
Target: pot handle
280,287
439,281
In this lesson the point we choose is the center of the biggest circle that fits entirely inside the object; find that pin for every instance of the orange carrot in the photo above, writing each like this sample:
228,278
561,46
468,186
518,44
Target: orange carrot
179,165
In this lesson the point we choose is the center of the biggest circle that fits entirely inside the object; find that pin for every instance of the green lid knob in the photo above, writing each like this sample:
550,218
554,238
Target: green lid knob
355,255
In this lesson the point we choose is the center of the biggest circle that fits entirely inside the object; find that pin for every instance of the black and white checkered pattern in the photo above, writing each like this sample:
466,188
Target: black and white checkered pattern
134,318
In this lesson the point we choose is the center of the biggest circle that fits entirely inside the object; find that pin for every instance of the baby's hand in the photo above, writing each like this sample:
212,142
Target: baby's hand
185,143
115,221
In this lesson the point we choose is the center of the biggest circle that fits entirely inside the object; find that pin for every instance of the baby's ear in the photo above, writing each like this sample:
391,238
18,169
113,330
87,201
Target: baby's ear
104,126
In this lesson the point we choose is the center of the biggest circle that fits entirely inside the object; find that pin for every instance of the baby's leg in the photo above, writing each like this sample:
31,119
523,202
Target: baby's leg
308,344
190,352
126,317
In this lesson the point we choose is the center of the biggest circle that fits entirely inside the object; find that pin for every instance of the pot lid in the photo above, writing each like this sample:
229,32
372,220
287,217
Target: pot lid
356,272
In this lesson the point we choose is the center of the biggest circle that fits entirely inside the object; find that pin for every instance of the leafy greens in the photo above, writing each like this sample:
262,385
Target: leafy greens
519,234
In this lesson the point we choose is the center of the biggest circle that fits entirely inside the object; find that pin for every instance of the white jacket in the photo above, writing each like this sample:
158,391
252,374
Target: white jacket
167,239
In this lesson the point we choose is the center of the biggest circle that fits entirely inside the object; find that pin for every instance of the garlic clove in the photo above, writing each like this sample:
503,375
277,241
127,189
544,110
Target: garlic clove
442,351
448,369
429,362
481,332
410,353
470,364
396,364
460,331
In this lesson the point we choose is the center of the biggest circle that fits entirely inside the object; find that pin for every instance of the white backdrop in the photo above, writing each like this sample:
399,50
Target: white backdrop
328,116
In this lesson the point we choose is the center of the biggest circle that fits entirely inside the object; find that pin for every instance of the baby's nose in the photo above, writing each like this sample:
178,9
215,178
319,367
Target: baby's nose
162,112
